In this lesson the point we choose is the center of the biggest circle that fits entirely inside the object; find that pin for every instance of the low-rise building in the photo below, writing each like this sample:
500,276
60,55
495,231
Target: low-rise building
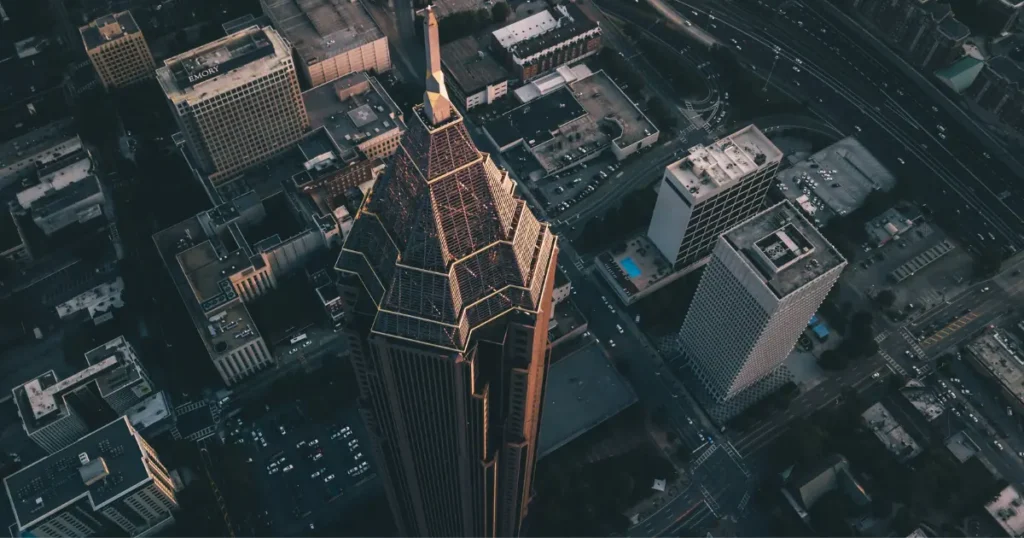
57,412
475,77
573,124
806,484
546,40
117,50
97,304
891,224
890,432
999,89
358,114
563,287
332,38
1007,509
107,483
997,356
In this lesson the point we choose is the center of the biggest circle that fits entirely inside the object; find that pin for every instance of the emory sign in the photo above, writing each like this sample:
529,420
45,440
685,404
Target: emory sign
204,74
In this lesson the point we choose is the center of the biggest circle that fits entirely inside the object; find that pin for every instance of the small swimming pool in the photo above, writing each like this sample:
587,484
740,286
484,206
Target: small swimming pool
630,267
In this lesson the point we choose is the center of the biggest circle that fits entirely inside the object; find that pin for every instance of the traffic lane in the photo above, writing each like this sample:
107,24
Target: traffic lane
993,409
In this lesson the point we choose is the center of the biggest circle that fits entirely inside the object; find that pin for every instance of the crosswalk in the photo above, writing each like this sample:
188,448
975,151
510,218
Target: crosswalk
893,364
579,264
709,499
905,333
704,457
881,336
736,457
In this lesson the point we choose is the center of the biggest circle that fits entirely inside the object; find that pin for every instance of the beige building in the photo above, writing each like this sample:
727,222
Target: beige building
358,114
117,50
236,100
108,483
332,38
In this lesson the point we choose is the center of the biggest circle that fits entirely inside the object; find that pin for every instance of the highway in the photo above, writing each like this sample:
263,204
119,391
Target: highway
847,85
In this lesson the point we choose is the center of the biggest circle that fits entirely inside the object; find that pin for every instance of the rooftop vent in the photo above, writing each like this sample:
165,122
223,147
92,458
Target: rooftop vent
84,458
760,159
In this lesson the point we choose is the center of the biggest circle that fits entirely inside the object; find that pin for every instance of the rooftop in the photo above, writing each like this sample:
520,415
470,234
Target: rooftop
890,432
848,164
56,201
785,249
320,29
1007,509
890,224
708,170
111,366
583,390
543,30
996,352
471,66
96,300
108,28
223,64
536,122
99,467
31,144
604,101
962,446
353,109
923,399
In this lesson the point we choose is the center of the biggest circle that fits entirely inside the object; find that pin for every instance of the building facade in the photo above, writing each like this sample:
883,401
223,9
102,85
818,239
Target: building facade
108,483
543,41
117,50
709,191
475,77
766,278
57,412
331,38
926,31
999,89
236,100
449,280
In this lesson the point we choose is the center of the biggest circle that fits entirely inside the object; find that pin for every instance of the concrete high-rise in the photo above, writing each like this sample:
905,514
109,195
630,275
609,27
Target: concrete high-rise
709,191
236,100
117,50
766,278
108,483
448,280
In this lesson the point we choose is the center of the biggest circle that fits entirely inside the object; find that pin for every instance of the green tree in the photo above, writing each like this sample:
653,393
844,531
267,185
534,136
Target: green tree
833,360
500,12
885,298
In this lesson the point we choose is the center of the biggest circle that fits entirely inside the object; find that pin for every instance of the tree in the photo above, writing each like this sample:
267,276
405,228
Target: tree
832,359
987,262
500,12
829,513
885,298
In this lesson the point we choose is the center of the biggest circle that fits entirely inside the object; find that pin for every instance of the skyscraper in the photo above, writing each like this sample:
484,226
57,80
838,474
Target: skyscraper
454,277
117,50
236,100
766,278
709,191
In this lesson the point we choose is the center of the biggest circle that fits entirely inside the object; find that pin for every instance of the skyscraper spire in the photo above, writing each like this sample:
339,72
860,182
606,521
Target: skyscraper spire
435,98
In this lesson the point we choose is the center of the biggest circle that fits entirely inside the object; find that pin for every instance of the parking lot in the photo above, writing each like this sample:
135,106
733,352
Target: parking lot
562,191
306,469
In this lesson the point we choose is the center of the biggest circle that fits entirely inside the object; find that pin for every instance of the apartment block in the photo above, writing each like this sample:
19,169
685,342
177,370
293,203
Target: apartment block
57,412
332,38
710,190
107,483
766,278
117,50
545,40
237,100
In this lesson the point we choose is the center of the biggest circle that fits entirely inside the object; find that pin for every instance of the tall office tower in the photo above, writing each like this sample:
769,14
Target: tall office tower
236,100
57,412
117,50
454,278
766,278
709,191
108,483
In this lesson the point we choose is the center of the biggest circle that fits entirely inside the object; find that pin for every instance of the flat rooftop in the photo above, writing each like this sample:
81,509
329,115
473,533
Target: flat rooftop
59,200
471,66
1008,510
536,122
321,29
838,178
992,352
604,101
544,30
890,432
195,266
34,142
786,250
108,28
115,466
353,109
583,390
962,446
708,170
223,64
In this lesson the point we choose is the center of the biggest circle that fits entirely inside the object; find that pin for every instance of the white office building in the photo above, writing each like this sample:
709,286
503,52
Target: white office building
766,278
709,191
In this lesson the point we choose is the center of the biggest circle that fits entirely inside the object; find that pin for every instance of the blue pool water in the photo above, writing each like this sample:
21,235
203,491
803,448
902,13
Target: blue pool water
630,267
